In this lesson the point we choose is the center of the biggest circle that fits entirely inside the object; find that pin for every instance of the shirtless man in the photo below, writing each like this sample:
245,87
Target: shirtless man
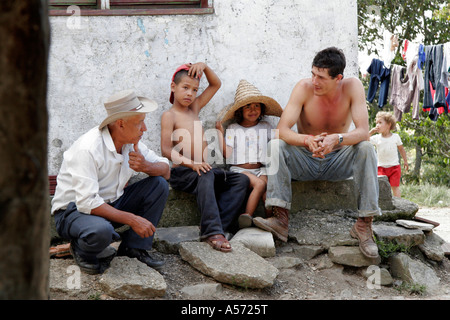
323,108
220,194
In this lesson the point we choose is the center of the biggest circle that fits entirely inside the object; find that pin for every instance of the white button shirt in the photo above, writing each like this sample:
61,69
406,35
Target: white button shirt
93,173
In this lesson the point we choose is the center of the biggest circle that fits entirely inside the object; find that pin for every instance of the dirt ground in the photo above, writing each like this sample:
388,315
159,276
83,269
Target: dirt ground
311,280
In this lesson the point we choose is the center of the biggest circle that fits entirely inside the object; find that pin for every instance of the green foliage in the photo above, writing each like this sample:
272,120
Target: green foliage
389,248
433,138
408,19
412,288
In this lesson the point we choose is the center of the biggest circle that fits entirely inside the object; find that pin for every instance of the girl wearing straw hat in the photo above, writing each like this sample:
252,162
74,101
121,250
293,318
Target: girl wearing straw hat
246,141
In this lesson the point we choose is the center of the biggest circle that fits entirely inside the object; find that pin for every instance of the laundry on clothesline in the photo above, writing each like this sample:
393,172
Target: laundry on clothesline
427,68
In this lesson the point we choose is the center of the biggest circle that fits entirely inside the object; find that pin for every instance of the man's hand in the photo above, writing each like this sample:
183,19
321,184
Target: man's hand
142,227
314,144
136,160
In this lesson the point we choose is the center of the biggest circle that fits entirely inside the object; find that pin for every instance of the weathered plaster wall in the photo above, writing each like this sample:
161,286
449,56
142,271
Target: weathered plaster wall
269,43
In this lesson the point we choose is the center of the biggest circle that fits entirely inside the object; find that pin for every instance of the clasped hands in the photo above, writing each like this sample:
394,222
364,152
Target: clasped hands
320,145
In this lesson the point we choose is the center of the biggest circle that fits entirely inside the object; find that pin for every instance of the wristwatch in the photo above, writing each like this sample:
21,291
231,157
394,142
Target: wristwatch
341,138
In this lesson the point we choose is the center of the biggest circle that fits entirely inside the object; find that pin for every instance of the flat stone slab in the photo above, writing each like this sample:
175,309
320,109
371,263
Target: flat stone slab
411,224
408,237
128,278
240,267
167,240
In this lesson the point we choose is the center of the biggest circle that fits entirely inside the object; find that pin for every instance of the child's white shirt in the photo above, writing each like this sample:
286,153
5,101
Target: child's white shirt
249,143
387,149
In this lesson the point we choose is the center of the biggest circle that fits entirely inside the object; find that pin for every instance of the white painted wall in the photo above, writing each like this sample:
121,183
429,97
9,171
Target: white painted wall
269,43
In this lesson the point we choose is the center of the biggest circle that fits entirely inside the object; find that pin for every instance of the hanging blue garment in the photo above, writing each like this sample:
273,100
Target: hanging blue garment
433,67
422,57
379,77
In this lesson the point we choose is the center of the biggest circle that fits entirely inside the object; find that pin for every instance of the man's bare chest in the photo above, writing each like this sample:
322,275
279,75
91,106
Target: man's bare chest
325,117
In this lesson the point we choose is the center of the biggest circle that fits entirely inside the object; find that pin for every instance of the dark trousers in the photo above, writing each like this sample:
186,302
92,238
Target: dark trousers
90,234
379,77
220,196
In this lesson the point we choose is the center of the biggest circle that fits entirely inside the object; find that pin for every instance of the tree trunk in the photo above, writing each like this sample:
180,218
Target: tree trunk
24,196
418,162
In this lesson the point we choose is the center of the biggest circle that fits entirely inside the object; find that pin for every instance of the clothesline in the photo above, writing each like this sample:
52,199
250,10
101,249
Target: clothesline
427,68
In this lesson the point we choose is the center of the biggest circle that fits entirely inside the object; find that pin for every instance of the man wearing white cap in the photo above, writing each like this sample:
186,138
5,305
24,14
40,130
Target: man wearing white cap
92,199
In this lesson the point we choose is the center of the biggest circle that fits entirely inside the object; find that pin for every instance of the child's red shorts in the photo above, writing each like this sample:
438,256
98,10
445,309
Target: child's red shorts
393,173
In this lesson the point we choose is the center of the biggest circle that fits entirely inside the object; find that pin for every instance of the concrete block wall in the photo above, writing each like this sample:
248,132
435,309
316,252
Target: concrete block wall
269,43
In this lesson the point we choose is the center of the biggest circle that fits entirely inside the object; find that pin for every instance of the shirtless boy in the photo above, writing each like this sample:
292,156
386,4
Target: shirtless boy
323,108
220,194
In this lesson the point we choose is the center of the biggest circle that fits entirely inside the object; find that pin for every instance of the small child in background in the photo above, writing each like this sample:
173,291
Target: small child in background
387,145
246,141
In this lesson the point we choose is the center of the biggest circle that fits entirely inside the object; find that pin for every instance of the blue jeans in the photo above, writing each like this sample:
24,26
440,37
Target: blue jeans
91,234
287,163
220,196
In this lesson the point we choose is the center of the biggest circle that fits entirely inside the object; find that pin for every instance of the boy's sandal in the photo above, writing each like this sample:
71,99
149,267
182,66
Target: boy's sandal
217,241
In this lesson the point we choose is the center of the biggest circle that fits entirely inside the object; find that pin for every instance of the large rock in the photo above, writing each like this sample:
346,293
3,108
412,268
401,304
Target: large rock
241,267
351,256
432,247
412,271
407,237
128,278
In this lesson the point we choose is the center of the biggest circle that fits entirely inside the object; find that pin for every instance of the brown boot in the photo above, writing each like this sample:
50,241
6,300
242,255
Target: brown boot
268,212
278,224
362,230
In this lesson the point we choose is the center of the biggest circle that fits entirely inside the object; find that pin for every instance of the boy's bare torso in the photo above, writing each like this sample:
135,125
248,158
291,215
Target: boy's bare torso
188,134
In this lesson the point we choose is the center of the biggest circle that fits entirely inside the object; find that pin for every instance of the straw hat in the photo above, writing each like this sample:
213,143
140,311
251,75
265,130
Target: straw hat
247,93
125,104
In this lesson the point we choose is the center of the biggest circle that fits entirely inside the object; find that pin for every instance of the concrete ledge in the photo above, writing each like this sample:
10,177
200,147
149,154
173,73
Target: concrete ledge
335,195
181,208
